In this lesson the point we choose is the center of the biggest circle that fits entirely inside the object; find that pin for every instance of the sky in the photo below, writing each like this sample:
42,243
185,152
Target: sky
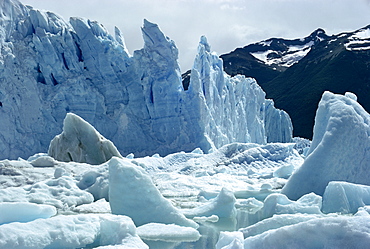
227,24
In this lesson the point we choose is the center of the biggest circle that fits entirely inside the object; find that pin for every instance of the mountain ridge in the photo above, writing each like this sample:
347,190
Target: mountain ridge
337,63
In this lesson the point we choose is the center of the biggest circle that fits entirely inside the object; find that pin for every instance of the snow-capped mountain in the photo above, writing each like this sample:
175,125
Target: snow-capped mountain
276,53
297,71
282,53
358,40
49,67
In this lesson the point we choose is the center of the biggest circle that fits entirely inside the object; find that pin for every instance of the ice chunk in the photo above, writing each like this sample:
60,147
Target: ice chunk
80,142
167,233
344,197
205,219
363,211
251,205
331,232
275,222
96,182
71,231
230,240
280,204
132,193
284,171
223,206
24,212
339,149
43,161
99,206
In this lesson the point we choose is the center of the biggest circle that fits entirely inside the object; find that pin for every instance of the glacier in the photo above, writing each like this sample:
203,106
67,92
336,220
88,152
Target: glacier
50,67
231,197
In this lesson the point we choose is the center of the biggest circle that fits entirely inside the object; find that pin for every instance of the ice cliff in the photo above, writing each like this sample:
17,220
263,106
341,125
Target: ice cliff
49,67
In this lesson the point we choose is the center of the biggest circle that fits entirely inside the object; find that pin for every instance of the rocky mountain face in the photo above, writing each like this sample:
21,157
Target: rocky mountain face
295,73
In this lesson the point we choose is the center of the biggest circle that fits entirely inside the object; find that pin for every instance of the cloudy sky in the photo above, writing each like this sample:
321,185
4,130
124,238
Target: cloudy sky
228,24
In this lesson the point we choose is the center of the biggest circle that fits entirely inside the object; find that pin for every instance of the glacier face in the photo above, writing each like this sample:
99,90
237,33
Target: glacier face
49,67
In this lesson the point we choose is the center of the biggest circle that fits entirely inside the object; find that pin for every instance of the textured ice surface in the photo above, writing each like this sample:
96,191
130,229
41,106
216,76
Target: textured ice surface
277,221
71,231
340,149
330,232
50,67
167,232
24,212
230,240
344,197
60,192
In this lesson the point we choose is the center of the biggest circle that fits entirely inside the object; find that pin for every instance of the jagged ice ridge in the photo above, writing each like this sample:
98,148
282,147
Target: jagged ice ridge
50,67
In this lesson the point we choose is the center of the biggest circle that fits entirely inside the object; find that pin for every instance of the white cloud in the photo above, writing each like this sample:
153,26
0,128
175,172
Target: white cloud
228,24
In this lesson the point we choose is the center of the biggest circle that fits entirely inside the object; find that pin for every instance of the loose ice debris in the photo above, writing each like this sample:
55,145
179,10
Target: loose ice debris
167,233
280,204
60,193
72,231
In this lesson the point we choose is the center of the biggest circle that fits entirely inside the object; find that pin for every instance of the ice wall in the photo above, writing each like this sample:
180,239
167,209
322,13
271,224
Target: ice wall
340,149
49,67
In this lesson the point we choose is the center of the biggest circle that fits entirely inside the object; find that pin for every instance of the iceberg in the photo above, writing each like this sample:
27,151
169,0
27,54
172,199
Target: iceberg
50,67
223,206
132,193
80,142
340,149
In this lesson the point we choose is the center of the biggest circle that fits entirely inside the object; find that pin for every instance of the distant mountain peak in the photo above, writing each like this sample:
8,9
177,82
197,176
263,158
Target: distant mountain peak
359,40
295,73
279,53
